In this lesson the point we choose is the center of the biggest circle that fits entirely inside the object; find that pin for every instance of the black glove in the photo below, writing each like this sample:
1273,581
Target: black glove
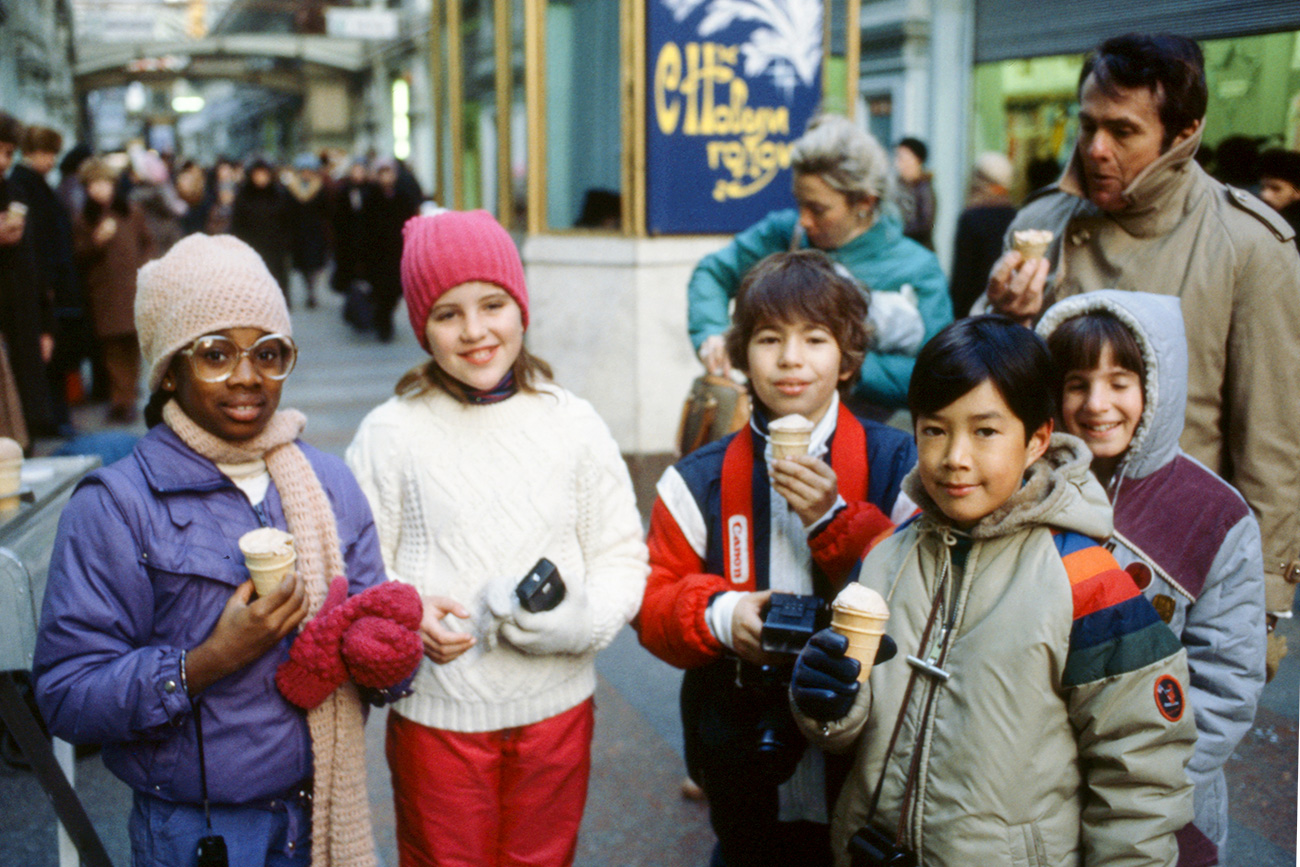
824,682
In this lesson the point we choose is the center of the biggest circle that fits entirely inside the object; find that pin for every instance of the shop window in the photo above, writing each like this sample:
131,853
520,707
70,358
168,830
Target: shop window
583,130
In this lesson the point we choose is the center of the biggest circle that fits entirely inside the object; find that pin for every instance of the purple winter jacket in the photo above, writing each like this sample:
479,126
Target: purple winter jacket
145,559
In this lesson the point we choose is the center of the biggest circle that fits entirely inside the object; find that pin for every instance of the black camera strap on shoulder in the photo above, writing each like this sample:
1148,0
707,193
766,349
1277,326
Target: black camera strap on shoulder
902,713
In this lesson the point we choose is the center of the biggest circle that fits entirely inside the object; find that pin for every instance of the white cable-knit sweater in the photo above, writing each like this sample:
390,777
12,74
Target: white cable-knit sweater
464,495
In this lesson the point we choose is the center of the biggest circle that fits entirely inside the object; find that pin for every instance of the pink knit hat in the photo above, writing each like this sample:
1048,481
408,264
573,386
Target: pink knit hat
443,251
205,283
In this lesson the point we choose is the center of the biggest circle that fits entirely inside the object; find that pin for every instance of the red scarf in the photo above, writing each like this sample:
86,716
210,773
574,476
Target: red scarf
740,480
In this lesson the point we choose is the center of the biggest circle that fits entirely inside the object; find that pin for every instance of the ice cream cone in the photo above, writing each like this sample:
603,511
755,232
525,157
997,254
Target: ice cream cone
860,614
269,556
1031,243
11,474
789,436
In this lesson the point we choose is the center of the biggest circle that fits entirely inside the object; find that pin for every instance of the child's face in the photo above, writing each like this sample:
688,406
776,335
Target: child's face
239,407
475,332
794,367
972,453
1102,406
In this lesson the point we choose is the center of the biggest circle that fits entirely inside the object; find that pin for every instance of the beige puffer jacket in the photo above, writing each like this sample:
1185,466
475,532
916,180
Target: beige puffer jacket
1047,745
1231,259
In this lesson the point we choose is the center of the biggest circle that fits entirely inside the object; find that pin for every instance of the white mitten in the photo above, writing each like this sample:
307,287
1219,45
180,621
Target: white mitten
498,605
566,628
897,321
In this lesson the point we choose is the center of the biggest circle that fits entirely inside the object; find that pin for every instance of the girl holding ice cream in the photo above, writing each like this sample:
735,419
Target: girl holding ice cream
151,641
476,469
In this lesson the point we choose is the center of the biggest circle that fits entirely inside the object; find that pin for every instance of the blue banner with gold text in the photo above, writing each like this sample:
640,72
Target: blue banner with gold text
732,84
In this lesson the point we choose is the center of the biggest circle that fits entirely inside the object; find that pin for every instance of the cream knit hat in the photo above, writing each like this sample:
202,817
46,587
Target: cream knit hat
205,283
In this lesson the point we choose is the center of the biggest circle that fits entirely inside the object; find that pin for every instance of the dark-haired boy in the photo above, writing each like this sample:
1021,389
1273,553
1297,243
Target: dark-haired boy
732,524
1040,717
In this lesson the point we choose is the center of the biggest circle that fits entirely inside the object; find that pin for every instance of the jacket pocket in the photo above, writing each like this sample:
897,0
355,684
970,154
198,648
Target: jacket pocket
1026,846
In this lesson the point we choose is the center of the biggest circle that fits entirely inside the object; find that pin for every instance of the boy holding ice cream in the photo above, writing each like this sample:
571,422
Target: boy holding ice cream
1041,714
737,520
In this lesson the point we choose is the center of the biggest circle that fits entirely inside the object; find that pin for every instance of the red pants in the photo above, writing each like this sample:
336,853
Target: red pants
508,798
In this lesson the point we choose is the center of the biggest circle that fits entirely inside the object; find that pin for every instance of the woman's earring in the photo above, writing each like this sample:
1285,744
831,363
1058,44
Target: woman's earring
167,384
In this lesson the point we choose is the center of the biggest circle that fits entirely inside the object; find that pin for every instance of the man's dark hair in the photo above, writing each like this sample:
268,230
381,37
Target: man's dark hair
916,146
803,285
985,348
1171,67
11,130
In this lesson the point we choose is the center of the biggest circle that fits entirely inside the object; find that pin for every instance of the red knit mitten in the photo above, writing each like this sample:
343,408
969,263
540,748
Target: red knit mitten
315,666
382,647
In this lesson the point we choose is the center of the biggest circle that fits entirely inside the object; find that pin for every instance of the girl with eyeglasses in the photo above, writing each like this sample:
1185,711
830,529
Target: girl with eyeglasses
152,640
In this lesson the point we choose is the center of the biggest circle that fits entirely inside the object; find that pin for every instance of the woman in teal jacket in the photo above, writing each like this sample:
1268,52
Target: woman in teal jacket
839,175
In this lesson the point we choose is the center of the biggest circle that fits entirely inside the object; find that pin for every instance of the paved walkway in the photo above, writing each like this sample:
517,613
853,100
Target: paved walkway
635,815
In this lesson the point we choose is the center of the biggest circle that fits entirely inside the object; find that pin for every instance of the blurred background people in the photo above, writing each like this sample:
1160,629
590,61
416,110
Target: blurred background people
978,240
914,191
112,242
1279,184
260,218
309,212
49,230
383,215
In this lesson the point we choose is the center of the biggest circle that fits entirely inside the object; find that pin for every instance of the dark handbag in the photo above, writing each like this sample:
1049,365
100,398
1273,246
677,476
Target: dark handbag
715,407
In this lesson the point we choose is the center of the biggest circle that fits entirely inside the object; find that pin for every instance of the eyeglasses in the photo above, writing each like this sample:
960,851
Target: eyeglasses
214,357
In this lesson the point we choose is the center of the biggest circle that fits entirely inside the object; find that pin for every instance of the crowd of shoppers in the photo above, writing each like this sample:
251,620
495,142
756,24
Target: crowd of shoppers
71,250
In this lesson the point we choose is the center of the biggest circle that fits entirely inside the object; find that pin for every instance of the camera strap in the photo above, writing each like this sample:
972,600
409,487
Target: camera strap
902,712
197,702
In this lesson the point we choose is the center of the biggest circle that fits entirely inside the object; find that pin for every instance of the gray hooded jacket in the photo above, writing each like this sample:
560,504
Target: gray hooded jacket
1191,543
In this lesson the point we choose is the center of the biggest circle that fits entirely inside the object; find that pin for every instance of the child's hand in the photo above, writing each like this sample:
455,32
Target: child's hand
246,630
441,644
808,485
747,628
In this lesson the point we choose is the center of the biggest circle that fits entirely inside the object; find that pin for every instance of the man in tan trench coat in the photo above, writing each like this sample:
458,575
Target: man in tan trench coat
1134,211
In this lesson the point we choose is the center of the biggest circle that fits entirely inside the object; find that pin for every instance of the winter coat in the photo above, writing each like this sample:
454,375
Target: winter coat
1191,543
977,245
145,559
1062,733
49,230
915,202
1229,257
880,258
260,218
109,271
309,213
26,314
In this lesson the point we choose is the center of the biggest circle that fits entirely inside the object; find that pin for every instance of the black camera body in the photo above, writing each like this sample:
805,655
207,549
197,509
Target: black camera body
212,852
872,848
790,620
542,588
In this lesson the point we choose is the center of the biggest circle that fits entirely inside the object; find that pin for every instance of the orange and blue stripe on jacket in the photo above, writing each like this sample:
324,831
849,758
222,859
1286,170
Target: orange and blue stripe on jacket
1115,628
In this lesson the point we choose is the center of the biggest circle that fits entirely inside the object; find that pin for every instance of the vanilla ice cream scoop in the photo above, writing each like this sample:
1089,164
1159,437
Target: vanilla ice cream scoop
860,614
269,555
1031,243
789,435
861,598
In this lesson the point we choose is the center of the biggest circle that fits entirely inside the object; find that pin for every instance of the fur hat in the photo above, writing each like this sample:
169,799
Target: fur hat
205,283
443,251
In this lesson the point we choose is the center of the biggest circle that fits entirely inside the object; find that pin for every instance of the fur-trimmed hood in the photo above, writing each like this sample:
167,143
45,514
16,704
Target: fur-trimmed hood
1058,491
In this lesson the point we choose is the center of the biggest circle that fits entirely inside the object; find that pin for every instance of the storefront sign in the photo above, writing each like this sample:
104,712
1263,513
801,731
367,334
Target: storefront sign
732,84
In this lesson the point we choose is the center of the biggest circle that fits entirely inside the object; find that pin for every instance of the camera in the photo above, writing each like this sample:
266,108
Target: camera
872,848
211,852
790,619
542,588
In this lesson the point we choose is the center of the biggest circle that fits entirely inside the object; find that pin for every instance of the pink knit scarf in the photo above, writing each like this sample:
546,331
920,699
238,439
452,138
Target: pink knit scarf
340,818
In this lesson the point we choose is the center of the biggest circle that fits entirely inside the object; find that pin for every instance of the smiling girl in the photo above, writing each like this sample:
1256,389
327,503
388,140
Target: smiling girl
476,469
1187,537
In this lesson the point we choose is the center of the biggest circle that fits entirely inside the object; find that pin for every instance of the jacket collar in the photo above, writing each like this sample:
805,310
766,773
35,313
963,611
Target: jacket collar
170,466
1157,197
